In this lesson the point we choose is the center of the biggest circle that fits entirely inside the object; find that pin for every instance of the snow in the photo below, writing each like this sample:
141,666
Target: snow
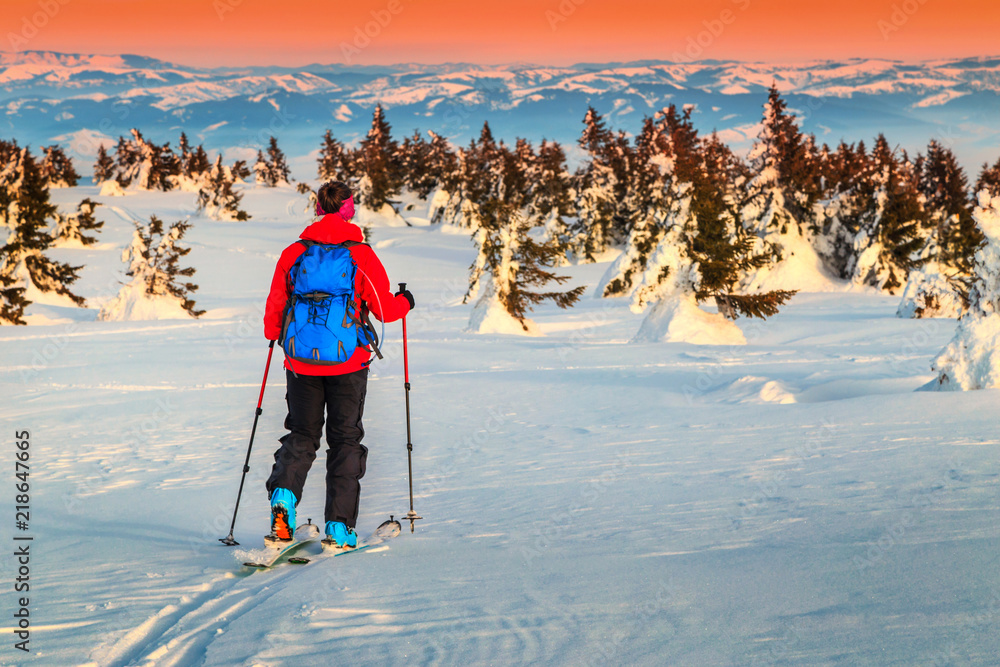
972,359
680,320
586,500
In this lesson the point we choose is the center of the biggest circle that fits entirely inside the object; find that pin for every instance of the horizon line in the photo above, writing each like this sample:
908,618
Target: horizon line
525,64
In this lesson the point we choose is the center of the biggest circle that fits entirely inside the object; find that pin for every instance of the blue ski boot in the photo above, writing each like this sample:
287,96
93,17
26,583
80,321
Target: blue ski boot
282,515
340,536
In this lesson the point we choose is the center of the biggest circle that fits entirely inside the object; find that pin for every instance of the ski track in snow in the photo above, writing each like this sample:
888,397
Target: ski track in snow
587,500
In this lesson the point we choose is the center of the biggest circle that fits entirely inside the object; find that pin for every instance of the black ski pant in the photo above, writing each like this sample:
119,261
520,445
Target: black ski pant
343,399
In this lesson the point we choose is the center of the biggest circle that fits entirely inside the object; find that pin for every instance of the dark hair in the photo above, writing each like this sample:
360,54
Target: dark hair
332,196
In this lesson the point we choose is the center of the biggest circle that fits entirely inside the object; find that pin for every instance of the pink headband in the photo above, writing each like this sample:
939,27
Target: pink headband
346,209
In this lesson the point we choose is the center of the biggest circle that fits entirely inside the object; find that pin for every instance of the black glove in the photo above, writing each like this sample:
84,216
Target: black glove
409,297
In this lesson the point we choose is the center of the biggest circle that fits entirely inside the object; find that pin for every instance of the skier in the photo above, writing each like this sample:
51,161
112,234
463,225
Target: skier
339,387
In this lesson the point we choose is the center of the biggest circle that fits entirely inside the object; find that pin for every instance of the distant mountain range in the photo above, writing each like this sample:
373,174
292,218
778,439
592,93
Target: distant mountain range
82,100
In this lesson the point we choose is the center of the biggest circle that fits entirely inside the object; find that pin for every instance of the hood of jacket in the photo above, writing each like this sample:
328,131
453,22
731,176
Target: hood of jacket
332,228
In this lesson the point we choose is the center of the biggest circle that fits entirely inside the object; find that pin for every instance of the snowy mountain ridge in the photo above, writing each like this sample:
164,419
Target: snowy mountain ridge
50,96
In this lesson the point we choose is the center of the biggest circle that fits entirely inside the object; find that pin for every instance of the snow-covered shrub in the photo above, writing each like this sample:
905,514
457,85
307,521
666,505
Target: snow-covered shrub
57,168
271,171
71,230
144,165
216,196
931,292
154,292
972,359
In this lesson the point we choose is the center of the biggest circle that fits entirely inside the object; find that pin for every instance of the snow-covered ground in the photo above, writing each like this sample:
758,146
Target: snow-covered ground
587,500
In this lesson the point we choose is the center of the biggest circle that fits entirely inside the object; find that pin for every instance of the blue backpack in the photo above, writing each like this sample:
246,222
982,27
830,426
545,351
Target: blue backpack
320,325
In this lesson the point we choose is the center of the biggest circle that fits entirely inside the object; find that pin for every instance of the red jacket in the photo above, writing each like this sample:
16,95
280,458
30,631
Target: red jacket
371,285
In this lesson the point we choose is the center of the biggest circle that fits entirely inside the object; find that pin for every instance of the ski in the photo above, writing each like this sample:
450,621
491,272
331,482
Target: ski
304,534
386,531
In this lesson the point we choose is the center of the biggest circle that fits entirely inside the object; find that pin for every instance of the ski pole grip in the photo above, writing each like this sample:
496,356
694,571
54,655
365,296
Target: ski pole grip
402,287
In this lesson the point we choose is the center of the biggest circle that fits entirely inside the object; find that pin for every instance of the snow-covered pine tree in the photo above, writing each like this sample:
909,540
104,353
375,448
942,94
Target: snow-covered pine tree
216,196
601,186
197,166
154,291
22,259
842,173
185,151
782,196
552,196
889,221
335,161
104,167
481,175
989,179
414,154
706,253
972,359
271,170
945,188
378,159
145,165
71,230
510,263
938,288
57,168
280,173
667,161
11,175
442,163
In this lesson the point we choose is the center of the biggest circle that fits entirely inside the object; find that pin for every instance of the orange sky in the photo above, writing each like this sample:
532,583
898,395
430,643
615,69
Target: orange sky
297,32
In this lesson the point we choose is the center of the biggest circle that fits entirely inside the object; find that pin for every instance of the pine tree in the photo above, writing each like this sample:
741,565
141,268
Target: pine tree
482,174
280,173
989,179
667,162
889,220
24,263
601,186
335,161
185,148
785,185
509,264
104,168
12,301
145,165
216,196
953,231
442,163
272,170
58,169
552,197
73,228
414,154
706,252
153,258
196,165
842,175
378,158
11,176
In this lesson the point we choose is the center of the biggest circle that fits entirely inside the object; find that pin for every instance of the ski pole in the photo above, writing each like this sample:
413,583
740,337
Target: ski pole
228,540
412,516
